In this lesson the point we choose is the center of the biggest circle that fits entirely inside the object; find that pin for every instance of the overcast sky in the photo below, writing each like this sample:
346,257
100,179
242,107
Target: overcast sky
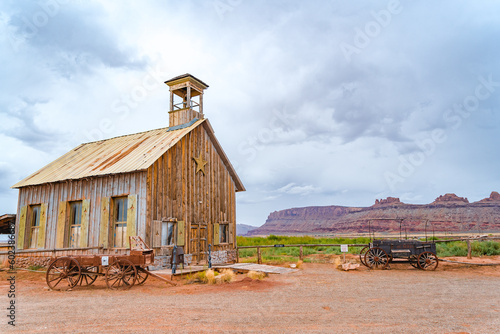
314,102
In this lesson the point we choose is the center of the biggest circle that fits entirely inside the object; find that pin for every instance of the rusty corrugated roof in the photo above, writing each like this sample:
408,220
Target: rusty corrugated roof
122,154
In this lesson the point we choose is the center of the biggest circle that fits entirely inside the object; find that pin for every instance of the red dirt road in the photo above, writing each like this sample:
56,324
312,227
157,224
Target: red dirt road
318,299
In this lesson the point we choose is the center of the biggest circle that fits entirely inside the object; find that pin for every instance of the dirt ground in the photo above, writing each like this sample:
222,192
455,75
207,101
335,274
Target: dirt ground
318,299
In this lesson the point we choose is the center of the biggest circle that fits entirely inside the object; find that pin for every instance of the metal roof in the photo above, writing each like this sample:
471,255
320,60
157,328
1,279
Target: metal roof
123,154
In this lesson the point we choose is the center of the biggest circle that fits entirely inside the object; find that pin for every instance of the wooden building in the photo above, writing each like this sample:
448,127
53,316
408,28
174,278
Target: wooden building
171,186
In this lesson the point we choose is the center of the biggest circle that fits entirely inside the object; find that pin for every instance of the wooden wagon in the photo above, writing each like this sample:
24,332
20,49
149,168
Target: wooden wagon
419,254
119,271
379,253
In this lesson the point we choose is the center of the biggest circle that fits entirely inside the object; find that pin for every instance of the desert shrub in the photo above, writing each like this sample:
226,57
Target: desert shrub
210,275
248,252
488,248
201,277
227,276
459,248
256,275
455,248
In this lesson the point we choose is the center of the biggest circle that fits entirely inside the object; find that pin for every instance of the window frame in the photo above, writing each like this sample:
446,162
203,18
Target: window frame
119,223
34,225
173,223
224,226
70,223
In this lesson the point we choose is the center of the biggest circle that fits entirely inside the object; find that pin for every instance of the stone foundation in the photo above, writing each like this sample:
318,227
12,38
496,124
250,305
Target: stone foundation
31,261
224,256
163,262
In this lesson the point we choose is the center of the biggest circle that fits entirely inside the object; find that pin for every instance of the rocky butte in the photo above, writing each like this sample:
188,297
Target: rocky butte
448,213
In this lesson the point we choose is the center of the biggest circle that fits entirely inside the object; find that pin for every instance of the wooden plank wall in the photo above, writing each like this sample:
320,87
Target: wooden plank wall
93,189
182,116
176,190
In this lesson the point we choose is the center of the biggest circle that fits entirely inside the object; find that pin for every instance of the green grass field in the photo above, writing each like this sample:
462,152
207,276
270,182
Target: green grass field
278,255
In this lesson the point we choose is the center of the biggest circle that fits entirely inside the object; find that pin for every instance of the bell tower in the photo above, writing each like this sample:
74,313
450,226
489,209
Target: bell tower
186,99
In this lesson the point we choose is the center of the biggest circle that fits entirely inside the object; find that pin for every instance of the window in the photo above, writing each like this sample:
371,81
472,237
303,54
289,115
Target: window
167,233
120,221
75,224
223,233
34,226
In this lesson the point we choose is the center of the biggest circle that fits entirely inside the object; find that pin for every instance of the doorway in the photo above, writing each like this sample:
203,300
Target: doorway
198,242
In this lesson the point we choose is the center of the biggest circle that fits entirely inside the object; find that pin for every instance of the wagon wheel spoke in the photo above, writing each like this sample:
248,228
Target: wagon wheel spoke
71,281
58,270
59,279
116,281
413,261
84,280
141,277
89,276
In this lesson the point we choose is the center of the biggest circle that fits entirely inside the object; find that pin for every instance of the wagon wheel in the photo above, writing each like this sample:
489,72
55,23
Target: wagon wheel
88,277
413,261
141,276
63,272
428,261
121,275
362,255
376,258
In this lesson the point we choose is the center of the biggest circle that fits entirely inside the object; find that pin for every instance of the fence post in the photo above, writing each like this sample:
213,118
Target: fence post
259,259
237,255
301,254
469,250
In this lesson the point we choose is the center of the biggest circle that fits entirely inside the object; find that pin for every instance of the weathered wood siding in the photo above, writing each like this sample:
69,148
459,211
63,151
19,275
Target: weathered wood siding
92,189
176,190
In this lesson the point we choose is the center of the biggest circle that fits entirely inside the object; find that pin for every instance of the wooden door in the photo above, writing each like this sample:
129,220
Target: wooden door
198,242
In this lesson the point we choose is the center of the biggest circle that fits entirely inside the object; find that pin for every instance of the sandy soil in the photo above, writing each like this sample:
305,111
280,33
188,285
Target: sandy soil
318,299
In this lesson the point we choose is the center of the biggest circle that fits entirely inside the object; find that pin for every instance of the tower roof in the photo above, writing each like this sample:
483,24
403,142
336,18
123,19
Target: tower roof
185,77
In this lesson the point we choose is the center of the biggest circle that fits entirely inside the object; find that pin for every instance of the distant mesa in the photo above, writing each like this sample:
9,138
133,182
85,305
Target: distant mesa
243,229
388,201
494,197
448,213
450,198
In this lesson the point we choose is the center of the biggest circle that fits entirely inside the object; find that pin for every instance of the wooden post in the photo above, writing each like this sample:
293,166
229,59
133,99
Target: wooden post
469,250
301,254
259,258
201,106
237,255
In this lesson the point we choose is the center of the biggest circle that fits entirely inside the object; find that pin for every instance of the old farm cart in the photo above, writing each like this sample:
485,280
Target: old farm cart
119,271
380,252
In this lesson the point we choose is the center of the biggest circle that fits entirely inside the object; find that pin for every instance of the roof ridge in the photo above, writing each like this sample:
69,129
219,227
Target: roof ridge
121,136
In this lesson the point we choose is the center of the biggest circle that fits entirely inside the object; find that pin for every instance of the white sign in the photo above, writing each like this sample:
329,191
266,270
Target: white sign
344,248
105,260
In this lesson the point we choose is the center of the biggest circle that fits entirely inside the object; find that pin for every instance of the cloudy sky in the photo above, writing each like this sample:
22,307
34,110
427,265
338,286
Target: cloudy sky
315,102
